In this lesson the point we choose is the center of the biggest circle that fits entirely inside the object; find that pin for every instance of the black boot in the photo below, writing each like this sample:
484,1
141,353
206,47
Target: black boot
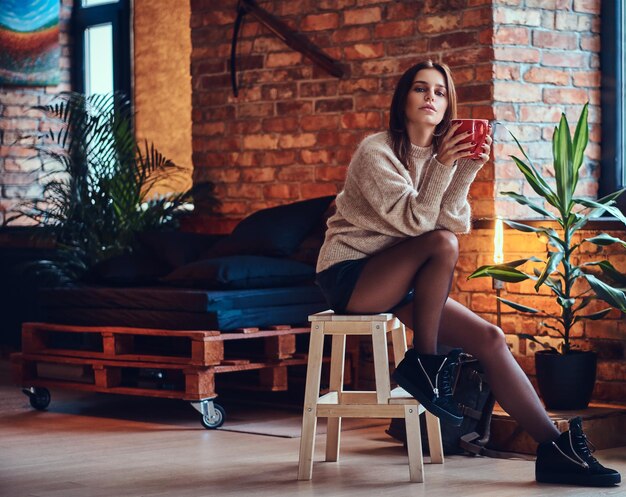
429,378
568,460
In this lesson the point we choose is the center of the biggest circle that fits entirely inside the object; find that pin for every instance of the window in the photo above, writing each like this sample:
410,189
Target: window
613,176
101,30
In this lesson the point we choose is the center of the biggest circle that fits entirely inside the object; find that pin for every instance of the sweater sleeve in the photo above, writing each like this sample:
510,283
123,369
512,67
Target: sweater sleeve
454,214
384,184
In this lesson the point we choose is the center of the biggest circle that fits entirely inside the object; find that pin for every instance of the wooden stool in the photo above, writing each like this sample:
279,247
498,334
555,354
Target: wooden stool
381,403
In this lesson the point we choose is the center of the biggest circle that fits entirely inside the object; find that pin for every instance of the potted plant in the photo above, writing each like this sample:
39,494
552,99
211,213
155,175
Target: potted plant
566,375
98,194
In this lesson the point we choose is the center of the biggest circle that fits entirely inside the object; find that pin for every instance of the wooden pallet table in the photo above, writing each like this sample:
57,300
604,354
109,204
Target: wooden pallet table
151,362
197,348
176,381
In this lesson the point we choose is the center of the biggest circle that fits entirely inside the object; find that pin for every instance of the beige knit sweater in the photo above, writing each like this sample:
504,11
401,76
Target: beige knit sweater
382,203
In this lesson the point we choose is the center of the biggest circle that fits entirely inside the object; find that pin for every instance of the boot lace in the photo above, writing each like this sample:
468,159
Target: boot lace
580,446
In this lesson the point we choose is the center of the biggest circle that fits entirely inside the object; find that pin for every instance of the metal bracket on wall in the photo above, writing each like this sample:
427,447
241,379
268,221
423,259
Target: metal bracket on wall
292,39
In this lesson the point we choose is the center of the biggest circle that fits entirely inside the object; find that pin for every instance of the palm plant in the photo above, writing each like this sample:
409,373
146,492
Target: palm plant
97,197
559,271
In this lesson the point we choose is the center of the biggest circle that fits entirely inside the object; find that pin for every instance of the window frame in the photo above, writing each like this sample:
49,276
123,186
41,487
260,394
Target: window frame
612,176
118,15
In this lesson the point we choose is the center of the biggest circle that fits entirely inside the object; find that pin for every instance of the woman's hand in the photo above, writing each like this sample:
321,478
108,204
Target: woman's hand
451,150
484,156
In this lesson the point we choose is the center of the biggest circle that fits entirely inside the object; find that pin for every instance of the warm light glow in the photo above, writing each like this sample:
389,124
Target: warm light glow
498,243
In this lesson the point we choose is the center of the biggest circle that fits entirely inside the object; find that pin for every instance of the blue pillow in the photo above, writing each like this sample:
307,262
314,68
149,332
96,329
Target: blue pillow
277,231
243,271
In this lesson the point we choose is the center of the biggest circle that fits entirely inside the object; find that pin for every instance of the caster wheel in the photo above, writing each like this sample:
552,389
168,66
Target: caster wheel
39,398
211,423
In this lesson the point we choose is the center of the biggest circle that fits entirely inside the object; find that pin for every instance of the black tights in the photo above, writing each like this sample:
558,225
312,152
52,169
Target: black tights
426,263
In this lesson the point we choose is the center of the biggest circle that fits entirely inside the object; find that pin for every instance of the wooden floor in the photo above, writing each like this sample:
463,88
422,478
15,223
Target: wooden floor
104,445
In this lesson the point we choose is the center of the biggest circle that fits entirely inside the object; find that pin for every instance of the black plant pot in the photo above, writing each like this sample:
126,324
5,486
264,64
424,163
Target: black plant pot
566,381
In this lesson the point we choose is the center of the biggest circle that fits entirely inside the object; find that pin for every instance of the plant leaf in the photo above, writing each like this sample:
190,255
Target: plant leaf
519,262
549,326
609,270
530,168
566,303
554,239
585,301
611,197
517,307
501,272
562,155
553,262
603,239
522,227
525,228
610,295
581,138
554,284
520,199
594,316
599,208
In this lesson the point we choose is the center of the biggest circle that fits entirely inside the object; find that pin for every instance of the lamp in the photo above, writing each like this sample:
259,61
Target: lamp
498,258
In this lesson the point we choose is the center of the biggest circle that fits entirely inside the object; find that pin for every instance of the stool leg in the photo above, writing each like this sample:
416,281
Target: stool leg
333,429
434,438
398,340
311,394
381,363
414,443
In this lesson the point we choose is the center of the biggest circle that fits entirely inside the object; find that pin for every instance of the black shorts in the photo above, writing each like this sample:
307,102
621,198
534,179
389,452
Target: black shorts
338,281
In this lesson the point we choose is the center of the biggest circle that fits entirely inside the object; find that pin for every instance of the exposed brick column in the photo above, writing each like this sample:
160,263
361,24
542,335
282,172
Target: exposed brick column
545,62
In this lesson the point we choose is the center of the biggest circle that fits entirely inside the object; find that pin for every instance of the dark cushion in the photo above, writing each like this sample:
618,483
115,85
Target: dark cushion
176,248
277,231
127,270
243,271
308,251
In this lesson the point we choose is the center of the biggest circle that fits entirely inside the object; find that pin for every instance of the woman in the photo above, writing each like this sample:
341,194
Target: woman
391,247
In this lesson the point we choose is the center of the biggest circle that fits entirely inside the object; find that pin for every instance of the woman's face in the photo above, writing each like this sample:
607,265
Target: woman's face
427,100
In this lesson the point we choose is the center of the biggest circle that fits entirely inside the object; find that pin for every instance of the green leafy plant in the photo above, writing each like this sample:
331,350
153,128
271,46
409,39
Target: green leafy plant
97,195
559,271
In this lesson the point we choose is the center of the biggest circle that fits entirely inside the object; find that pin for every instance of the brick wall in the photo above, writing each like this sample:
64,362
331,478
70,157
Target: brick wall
546,61
291,132
19,171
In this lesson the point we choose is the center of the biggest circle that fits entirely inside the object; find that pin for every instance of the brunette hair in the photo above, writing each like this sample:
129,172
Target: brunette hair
397,114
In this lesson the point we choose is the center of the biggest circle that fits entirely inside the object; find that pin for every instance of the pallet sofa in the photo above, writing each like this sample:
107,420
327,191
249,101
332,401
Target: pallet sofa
167,319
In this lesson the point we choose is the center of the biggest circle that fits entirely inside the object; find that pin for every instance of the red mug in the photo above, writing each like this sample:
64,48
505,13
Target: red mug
479,128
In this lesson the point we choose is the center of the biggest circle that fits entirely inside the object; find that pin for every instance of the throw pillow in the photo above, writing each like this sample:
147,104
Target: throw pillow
176,248
243,271
127,270
277,231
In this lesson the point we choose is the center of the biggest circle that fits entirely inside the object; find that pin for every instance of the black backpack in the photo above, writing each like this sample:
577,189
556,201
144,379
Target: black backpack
473,394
